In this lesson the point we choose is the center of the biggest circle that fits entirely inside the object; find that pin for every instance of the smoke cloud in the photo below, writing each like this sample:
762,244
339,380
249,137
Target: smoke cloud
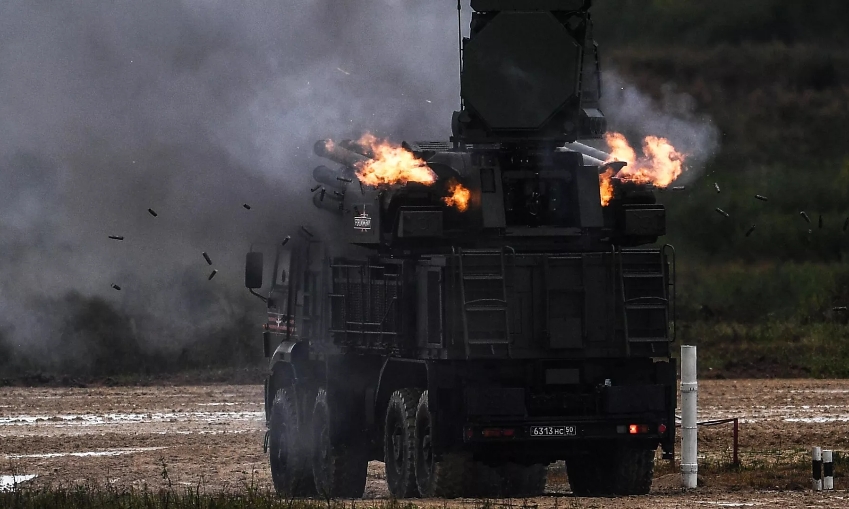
674,117
190,108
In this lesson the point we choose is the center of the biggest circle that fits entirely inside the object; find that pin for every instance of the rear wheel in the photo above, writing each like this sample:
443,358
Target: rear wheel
399,443
523,480
447,476
339,462
617,469
288,450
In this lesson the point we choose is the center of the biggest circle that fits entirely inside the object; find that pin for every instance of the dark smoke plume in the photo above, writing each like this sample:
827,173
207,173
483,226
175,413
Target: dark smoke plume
192,109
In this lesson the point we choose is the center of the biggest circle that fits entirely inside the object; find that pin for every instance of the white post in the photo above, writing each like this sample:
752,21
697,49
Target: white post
816,468
689,432
827,469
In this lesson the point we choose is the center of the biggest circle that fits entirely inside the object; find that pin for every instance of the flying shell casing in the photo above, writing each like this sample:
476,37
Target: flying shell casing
116,237
335,152
212,275
716,186
761,197
116,287
805,216
247,207
750,230
152,212
206,257
722,212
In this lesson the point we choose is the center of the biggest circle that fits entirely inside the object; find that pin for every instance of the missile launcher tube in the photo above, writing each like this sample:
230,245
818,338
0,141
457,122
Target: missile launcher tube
335,152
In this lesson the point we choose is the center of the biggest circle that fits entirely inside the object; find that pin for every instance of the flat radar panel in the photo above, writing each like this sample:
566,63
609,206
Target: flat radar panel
520,70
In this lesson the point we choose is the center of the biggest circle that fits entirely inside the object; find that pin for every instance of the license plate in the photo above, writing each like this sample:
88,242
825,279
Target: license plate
553,431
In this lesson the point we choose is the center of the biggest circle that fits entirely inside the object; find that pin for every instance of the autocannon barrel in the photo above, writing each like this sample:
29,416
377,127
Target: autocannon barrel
335,152
588,160
588,151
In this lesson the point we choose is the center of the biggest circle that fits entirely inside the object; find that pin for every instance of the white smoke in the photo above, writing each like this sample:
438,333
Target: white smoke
636,114
190,108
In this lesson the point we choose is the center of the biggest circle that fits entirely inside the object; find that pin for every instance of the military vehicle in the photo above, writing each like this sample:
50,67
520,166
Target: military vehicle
469,349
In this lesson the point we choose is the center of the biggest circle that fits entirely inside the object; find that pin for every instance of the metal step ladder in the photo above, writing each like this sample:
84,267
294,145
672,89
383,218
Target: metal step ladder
641,308
481,270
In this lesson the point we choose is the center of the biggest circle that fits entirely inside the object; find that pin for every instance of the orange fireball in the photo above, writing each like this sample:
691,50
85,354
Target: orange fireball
606,186
458,196
391,164
660,163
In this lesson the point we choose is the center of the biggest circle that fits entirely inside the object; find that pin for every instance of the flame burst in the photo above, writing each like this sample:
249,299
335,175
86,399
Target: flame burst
458,197
606,186
660,163
391,164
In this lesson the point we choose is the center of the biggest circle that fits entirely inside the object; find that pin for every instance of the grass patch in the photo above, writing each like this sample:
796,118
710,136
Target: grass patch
770,350
766,319
107,497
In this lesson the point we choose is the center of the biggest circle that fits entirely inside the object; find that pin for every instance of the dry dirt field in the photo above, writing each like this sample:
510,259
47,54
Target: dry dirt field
212,436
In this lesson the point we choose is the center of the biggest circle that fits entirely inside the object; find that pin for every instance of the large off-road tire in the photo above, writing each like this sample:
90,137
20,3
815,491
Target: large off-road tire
289,448
339,461
523,480
399,443
447,476
617,470
485,481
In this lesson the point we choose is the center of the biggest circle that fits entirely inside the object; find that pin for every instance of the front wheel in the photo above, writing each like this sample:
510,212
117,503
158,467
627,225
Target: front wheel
288,450
446,476
339,462
399,443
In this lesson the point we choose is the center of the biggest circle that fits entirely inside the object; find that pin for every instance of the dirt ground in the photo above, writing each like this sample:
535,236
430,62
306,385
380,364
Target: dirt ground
212,436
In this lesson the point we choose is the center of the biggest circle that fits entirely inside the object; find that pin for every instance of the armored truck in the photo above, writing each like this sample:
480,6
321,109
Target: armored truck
470,330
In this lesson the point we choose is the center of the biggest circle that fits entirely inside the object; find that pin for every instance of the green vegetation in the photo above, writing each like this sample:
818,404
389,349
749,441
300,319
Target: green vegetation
772,75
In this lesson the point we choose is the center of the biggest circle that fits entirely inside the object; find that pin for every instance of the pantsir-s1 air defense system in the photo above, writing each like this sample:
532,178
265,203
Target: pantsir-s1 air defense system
481,314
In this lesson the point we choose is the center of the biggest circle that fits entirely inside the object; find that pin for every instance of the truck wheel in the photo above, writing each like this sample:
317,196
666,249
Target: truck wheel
616,470
634,472
444,477
339,463
523,480
585,479
487,481
399,443
288,455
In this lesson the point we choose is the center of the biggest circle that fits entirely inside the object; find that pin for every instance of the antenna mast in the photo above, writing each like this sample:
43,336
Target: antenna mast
460,48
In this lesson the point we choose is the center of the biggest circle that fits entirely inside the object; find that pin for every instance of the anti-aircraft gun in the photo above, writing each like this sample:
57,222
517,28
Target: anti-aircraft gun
491,318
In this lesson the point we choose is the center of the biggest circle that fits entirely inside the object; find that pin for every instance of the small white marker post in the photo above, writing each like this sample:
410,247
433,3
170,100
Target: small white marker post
816,469
827,469
689,431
